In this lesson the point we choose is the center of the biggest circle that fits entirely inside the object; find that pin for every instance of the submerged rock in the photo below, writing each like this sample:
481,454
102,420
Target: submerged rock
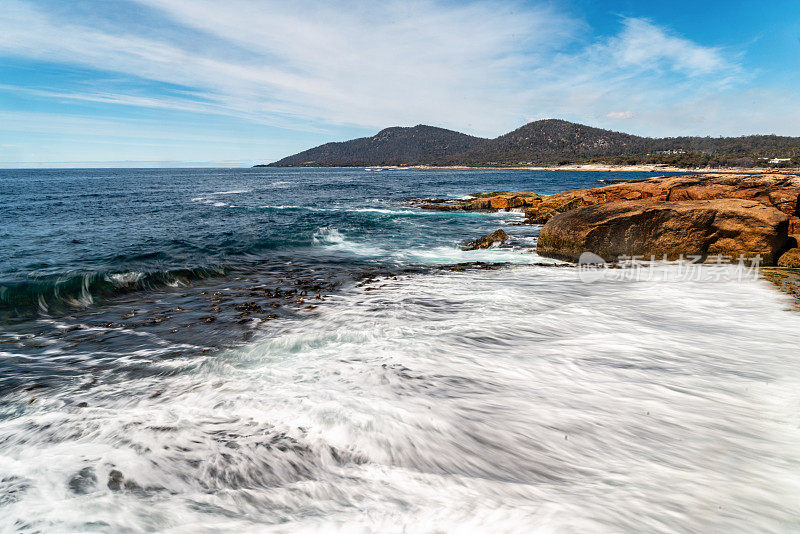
728,227
487,241
118,482
84,481
115,480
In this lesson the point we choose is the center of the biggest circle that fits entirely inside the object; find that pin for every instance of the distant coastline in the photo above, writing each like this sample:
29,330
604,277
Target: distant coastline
588,167
551,144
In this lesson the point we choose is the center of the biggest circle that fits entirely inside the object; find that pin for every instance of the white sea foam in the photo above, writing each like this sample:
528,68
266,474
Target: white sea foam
508,216
232,192
127,278
212,202
333,240
515,400
387,211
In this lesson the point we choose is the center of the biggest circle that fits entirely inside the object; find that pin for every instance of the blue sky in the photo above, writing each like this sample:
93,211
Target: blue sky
205,82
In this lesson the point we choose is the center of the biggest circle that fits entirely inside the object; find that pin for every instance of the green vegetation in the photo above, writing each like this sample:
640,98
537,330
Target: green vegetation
393,146
549,142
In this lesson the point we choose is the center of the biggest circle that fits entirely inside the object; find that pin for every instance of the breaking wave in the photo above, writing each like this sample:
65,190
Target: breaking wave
514,400
80,290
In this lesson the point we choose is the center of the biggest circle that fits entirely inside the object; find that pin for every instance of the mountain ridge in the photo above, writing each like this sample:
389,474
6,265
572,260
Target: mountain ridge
397,145
547,142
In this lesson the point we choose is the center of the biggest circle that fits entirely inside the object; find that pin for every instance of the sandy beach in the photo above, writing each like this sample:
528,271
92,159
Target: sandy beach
598,167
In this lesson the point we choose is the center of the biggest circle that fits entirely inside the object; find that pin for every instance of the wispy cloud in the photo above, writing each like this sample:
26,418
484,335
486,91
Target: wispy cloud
366,63
482,67
644,45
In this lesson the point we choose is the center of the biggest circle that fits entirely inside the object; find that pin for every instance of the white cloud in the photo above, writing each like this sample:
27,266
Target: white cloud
643,44
480,67
657,79
619,114
363,63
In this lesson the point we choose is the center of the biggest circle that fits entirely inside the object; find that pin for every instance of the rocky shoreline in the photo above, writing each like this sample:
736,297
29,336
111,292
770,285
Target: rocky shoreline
702,216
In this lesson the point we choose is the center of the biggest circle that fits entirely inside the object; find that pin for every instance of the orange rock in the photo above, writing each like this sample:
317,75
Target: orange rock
790,258
780,191
728,227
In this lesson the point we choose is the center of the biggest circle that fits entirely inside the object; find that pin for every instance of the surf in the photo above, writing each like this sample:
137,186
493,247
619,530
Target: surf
444,401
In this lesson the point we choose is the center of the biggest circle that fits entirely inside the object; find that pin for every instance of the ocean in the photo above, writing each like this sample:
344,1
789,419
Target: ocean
304,350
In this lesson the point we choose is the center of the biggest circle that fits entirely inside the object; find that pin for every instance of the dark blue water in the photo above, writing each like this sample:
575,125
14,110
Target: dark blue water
66,230
253,350
198,259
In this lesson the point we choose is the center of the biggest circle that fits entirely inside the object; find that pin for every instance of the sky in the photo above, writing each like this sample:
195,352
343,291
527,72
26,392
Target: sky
239,82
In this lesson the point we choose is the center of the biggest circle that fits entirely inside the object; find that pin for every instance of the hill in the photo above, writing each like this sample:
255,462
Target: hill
547,142
393,146
551,140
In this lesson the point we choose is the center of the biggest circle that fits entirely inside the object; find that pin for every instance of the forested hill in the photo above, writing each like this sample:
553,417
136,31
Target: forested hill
393,146
546,142
552,140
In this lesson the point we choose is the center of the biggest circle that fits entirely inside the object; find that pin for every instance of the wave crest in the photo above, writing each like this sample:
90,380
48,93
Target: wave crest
83,289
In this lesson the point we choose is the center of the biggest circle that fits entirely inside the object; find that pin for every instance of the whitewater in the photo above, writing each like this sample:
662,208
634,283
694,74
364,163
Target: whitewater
512,395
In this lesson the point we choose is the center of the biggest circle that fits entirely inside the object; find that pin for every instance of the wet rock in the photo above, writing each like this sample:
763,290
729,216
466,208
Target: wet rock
248,307
499,200
487,241
158,319
88,385
786,279
727,227
443,207
83,482
117,482
790,258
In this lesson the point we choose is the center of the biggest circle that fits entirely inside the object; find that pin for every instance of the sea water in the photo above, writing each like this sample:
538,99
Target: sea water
304,350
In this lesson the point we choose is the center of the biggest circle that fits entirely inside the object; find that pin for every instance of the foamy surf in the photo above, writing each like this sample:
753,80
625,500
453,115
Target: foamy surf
333,240
514,400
